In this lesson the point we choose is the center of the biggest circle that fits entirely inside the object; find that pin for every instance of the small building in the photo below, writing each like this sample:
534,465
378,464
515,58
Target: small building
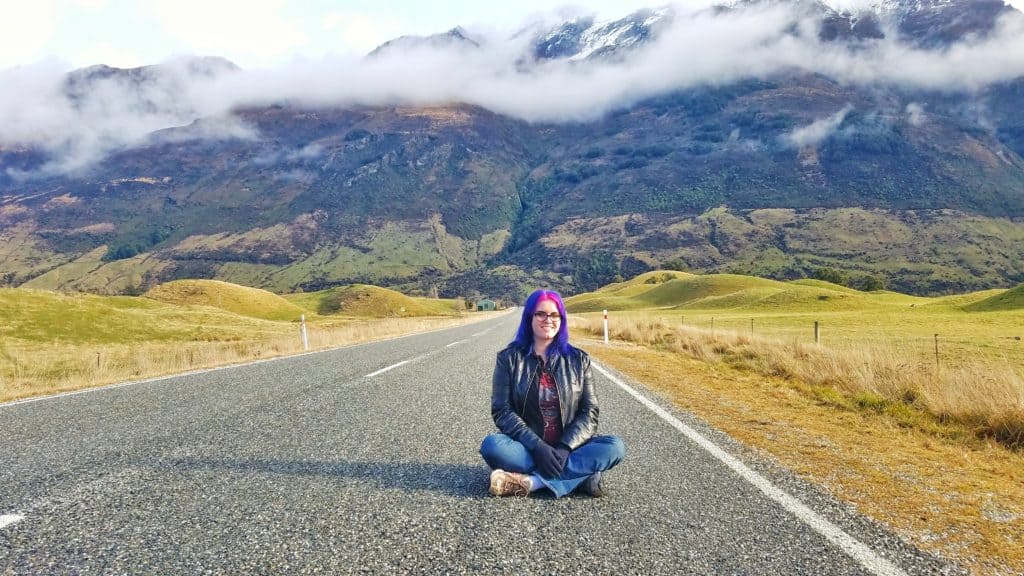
485,305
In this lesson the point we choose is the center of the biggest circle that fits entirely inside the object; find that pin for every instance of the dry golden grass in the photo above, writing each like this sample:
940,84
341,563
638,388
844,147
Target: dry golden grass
983,399
28,369
926,451
959,499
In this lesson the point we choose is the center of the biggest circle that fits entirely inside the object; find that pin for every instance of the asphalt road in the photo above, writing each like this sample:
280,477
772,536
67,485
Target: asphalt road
325,464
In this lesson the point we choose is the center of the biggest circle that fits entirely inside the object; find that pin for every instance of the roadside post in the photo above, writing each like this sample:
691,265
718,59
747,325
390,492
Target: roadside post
305,335
605,326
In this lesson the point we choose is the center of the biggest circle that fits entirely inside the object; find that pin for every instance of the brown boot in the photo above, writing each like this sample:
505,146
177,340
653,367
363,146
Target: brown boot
509,483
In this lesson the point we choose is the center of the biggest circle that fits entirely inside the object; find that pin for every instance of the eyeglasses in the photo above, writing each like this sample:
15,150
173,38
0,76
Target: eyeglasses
541,316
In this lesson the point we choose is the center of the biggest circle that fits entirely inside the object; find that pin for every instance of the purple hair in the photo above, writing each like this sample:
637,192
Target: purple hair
524,336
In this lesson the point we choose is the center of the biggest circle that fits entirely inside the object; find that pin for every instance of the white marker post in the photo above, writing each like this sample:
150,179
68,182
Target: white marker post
305,336
605,326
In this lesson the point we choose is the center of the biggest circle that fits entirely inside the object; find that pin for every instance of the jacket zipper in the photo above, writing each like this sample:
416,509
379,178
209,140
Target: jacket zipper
529,385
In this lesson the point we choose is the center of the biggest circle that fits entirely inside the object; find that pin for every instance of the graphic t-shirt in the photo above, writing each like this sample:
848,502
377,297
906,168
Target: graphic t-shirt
550,409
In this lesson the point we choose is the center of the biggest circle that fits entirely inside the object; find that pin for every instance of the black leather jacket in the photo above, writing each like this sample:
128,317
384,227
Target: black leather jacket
517,371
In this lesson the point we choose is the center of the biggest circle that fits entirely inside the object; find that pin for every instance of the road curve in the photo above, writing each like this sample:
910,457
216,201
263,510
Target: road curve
364,460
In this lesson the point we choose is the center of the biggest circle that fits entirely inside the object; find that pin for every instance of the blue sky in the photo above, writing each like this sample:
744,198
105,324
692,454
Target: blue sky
251,33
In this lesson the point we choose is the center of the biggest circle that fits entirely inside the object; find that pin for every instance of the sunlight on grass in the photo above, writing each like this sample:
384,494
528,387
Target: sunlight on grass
52,342
987,397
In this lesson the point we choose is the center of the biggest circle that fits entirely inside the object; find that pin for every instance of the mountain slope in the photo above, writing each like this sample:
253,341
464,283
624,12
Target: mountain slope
777,175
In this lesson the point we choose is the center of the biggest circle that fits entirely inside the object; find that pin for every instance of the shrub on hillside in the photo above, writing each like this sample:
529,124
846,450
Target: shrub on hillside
868,283
831,275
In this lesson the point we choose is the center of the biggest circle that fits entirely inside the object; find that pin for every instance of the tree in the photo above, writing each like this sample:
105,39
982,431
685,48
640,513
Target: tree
831,275
594,270
675,264
869,283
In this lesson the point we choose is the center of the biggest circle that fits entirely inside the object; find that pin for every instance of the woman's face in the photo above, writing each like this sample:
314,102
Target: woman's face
546,321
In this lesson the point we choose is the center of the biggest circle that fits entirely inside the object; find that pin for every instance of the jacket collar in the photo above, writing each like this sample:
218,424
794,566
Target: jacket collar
550,359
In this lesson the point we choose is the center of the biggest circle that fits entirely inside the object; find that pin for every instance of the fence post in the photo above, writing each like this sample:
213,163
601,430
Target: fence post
816,334
605,326
936,353
751,327
305,335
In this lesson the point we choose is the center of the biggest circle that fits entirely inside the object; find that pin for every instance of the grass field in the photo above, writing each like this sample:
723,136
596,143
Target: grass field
978,327
52,342
930,445
956,358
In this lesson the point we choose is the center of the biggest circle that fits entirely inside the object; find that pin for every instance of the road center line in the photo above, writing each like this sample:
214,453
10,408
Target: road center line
8,519
834,534
454,344
383,370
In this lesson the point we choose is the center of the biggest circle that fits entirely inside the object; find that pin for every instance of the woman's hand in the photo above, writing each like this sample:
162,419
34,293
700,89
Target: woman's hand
546,460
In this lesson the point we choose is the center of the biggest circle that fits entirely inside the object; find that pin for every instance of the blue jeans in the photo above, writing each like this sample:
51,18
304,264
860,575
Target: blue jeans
598,454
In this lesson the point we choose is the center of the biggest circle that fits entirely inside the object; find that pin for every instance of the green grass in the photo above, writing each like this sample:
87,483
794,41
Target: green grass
978,326
44,317
188,310
1012,299
371,301
52,342
241,300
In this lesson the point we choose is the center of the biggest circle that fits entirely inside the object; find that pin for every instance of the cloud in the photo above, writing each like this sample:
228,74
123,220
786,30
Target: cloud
107,52
702,48
915,114
290,156
816,132
230,28
25,28
79,122
361,32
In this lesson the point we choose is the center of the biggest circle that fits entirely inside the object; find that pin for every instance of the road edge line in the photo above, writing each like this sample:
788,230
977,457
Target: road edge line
9,519
854,548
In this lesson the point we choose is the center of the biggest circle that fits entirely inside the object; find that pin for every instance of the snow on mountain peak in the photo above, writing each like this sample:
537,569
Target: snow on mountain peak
583,38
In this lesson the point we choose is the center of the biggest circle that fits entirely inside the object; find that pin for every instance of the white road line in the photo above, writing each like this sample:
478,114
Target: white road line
8,519
479,334
383,370
850,545
454,343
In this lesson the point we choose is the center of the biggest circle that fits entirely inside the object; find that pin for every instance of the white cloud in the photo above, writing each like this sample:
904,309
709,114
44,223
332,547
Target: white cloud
25,29
361,32
698,50
915,114
235,29
110,55
816,132
91,4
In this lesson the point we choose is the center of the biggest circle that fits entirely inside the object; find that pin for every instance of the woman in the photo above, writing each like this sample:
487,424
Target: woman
543,402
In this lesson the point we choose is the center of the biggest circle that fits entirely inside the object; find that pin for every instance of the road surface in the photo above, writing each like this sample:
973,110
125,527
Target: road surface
364,460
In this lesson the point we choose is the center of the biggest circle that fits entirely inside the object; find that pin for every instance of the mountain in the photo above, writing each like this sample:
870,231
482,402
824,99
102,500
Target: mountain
455,38
939,23
583,38
789,174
